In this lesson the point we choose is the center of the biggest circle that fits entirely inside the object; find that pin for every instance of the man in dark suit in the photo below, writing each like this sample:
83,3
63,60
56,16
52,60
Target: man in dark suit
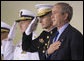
71,39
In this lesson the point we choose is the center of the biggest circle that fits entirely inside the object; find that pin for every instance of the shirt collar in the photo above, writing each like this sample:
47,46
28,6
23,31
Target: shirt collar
63,28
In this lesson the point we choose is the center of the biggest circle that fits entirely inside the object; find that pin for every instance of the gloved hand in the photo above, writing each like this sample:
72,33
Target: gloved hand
11,34
31,26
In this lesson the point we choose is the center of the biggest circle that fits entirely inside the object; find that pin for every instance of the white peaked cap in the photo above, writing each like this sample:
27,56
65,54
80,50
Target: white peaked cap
4,25
26,12
25,15
43,8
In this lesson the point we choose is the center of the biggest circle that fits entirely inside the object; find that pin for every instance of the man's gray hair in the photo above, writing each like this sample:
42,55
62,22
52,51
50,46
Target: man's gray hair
66,8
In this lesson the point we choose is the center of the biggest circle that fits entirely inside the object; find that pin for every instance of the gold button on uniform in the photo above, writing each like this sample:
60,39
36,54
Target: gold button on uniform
45,44
51,32
47,37
43,51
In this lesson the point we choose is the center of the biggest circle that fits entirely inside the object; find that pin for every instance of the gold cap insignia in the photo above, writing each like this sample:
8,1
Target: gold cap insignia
20,13
43,12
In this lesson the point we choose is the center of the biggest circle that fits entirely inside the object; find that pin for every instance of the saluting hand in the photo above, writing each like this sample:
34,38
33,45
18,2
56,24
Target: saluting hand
32,26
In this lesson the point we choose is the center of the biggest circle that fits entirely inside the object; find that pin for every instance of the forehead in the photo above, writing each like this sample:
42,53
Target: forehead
25,21
56,8
4,33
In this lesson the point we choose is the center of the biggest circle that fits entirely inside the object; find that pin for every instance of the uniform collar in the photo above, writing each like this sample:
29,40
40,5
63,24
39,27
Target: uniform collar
53,30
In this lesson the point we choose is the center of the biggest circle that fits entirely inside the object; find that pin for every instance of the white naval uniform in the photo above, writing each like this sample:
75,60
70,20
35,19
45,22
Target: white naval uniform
15,53
7,49
18,55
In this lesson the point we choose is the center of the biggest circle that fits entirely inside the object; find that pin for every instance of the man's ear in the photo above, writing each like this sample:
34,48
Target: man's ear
66,16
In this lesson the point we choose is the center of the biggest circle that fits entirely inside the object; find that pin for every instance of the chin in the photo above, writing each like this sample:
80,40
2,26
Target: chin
43,27
54,24
22,32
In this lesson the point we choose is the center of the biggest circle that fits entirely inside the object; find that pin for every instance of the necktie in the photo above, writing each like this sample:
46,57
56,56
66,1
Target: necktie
56,36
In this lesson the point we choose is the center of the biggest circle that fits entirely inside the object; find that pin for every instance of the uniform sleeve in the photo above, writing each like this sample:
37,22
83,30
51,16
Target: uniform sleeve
26,41
28,44
77,47
8,49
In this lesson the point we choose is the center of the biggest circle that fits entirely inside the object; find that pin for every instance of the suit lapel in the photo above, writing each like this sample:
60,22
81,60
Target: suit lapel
62,38
64,33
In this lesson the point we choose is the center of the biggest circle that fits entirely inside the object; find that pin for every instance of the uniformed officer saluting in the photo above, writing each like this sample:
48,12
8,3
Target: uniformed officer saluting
25,19
40,44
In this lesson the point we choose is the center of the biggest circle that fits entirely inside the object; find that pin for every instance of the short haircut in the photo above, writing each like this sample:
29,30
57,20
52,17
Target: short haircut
66,8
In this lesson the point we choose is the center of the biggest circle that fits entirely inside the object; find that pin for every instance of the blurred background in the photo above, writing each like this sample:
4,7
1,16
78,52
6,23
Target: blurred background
10,12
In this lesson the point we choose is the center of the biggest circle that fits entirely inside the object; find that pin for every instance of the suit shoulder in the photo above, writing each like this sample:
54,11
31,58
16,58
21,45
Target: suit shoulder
74,31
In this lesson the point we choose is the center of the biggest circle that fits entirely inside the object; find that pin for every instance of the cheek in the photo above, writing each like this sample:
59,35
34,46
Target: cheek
4,35
22,26
1,35
58,18
43,21
46,22
25,26
50,22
